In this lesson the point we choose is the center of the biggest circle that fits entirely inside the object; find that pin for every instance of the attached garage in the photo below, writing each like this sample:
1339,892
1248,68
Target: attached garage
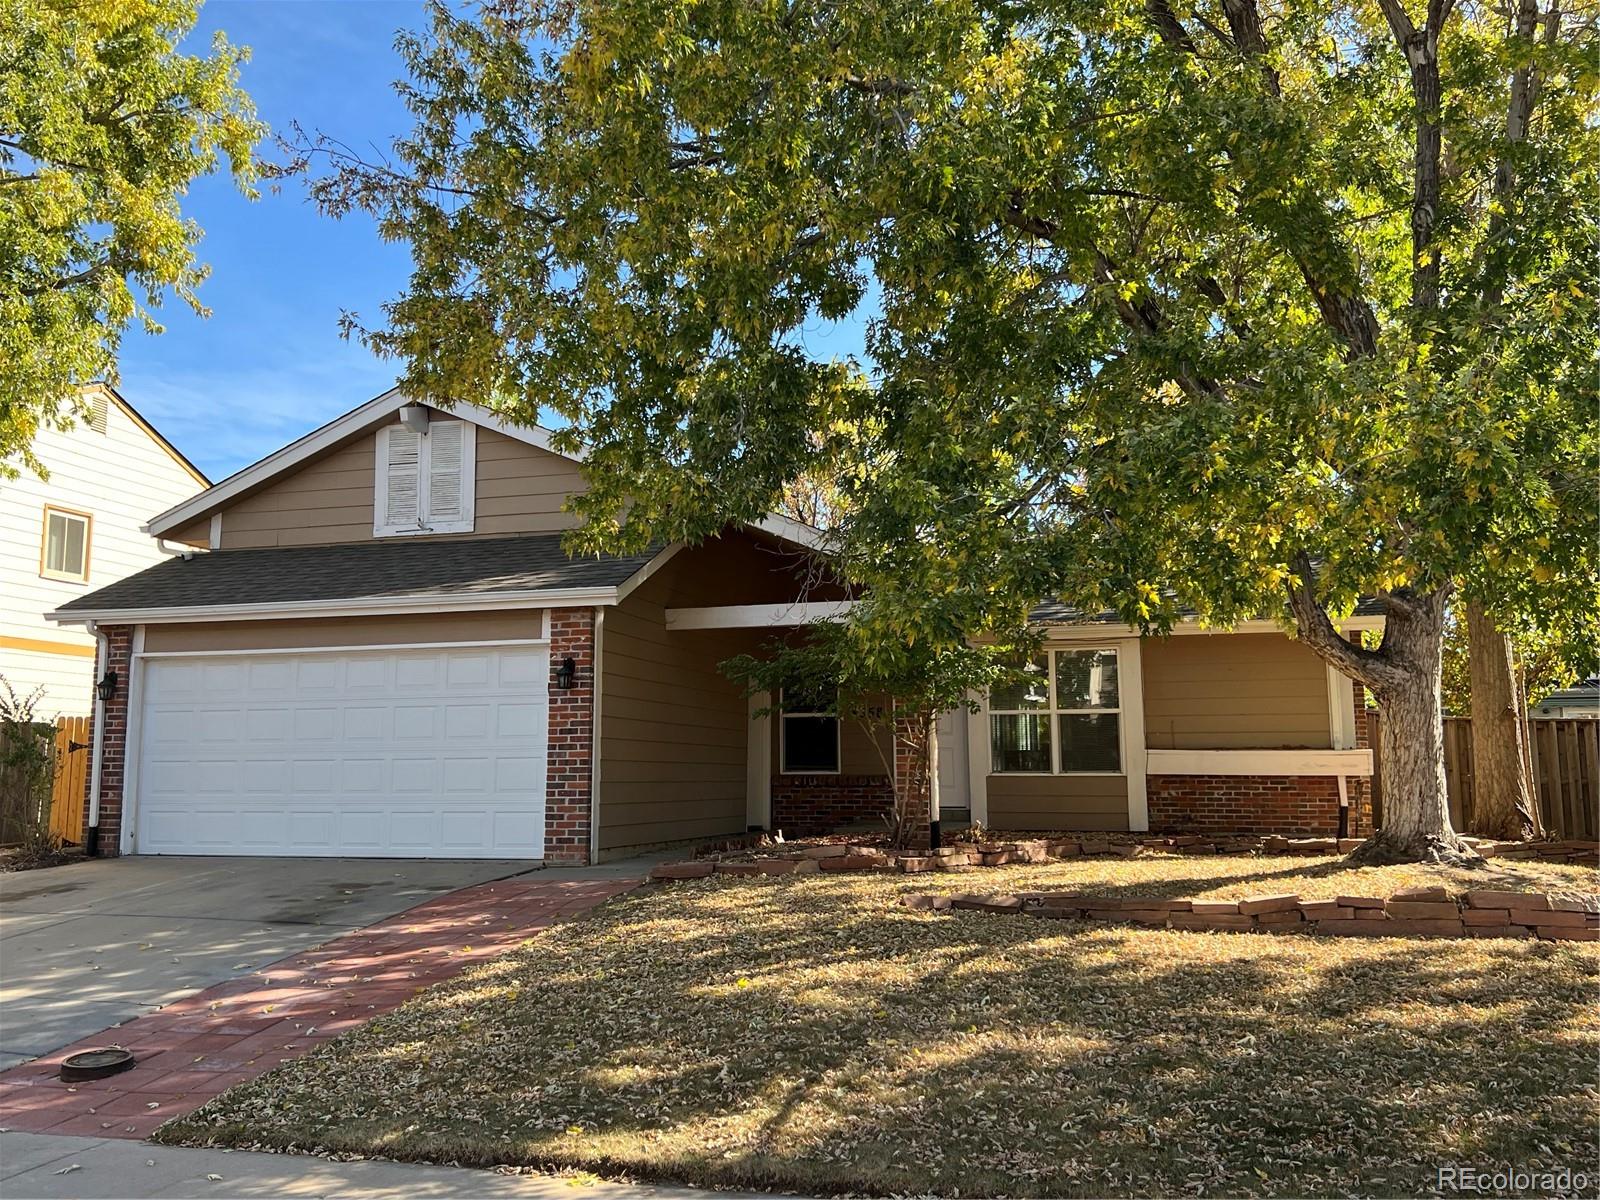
388,752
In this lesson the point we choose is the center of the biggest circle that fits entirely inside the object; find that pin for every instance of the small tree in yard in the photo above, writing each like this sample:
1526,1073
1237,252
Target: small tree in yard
896,691
1249,306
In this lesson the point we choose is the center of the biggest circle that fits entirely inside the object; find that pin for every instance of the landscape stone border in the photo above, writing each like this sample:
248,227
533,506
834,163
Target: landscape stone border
769,859
1420,912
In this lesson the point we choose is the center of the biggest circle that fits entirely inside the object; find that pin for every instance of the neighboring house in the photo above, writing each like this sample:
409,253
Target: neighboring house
1579,700
384,651
76,531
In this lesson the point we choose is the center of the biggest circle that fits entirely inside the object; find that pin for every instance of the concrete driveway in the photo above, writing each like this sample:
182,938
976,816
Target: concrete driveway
91,945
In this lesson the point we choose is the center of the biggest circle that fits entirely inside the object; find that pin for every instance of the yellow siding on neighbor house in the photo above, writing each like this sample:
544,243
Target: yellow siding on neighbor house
1234,691
520,489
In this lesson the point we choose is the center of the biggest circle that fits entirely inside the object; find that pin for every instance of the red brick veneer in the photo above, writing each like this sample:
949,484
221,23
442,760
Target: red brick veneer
1286,804
114,753
806,805
570,777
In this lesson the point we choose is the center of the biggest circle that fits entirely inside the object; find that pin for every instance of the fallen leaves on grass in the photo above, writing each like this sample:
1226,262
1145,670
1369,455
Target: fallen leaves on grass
809,1033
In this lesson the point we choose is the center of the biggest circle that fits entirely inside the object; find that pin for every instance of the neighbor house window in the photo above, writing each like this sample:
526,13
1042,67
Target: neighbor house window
65,554
808,735
1063,717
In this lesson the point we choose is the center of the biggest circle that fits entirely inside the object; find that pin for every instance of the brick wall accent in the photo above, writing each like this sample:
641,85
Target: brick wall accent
806,805
114,752
912,778
1287,804
571,756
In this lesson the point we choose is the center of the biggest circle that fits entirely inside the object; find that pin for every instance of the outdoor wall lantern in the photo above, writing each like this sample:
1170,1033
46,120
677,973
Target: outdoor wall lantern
107,687
566,673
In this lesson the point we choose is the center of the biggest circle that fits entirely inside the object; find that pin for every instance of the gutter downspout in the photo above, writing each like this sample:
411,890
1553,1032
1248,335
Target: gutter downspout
91,843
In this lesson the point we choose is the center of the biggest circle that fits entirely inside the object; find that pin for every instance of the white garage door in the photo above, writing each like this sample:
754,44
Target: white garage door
381,753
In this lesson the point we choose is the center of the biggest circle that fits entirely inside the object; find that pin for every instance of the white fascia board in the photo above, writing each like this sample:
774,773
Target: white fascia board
757,616
1258,762
328,435
791,530
627,587
1188,626
383,606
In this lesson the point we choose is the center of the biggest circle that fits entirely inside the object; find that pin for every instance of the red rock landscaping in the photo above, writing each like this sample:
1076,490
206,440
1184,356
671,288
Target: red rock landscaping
774,858
204,1044
1426,912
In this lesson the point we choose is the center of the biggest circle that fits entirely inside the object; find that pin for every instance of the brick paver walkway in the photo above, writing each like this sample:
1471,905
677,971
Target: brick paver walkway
208,1042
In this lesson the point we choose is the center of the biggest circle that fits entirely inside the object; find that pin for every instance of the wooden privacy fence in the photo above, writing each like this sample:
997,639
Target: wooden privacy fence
71,779
1566,773
55,799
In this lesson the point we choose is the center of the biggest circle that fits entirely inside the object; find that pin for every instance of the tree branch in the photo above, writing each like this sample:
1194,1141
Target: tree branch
1368,667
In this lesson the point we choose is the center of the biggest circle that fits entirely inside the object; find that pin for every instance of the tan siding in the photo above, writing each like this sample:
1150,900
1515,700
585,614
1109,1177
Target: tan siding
1046,802
195,533
673,728
327,500
1260,691
353,631
519,489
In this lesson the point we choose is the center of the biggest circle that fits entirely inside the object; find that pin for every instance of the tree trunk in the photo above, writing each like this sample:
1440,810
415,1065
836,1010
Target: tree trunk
1502,793
1416,806
914,770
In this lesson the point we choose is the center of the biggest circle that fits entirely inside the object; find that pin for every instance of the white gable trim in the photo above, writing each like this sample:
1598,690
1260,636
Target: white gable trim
335,431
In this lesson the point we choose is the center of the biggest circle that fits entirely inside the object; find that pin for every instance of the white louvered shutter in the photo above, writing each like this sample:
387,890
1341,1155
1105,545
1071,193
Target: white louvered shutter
402,507
446,458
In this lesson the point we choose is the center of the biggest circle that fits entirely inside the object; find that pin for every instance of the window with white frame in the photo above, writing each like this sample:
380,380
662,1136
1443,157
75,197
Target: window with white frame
65,551
808,734
425,482
1063,717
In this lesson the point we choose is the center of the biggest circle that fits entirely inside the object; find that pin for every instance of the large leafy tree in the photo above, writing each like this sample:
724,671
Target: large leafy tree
1249,306
104,124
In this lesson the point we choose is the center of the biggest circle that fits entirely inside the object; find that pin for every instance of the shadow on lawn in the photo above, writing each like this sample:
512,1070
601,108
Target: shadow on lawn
872,1049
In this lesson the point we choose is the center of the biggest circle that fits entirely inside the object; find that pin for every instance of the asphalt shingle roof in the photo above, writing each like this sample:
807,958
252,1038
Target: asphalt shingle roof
449,569
1053,612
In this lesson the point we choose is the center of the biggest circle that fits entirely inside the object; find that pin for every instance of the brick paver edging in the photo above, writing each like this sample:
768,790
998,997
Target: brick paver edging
199,1046
965,855
1425,912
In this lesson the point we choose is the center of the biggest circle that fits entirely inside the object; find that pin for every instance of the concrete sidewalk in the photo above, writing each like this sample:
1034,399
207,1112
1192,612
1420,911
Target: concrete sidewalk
38,1166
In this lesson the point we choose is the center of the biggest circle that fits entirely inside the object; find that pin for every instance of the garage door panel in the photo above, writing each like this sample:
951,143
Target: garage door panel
224,678
396,752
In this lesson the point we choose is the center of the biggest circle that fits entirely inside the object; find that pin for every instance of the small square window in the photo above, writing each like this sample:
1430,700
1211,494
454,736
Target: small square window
65,554
810,735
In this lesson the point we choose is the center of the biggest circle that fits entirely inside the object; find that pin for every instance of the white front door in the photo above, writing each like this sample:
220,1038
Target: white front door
394,753
955,785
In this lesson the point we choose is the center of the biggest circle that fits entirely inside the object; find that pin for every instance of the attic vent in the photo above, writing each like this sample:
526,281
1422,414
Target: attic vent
99,413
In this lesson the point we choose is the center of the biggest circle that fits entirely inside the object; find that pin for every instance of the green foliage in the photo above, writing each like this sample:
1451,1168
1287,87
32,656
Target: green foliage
1544,664
1175,309
103,127
868,676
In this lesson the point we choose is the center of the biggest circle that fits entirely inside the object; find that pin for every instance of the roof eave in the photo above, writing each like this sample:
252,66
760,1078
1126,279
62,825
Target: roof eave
426,602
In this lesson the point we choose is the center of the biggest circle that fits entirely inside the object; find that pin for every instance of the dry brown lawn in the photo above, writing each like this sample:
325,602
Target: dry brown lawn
809,1034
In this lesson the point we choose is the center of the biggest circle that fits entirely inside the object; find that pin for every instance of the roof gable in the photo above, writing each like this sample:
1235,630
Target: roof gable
150,431
299,453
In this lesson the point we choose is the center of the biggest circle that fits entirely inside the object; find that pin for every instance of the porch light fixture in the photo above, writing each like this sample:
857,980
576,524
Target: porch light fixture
107,687
566,673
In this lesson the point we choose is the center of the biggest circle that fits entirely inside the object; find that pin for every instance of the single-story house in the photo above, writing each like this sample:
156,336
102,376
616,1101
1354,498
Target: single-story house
371,643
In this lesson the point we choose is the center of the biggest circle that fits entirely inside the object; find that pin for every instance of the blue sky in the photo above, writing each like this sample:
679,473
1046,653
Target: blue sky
269,364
